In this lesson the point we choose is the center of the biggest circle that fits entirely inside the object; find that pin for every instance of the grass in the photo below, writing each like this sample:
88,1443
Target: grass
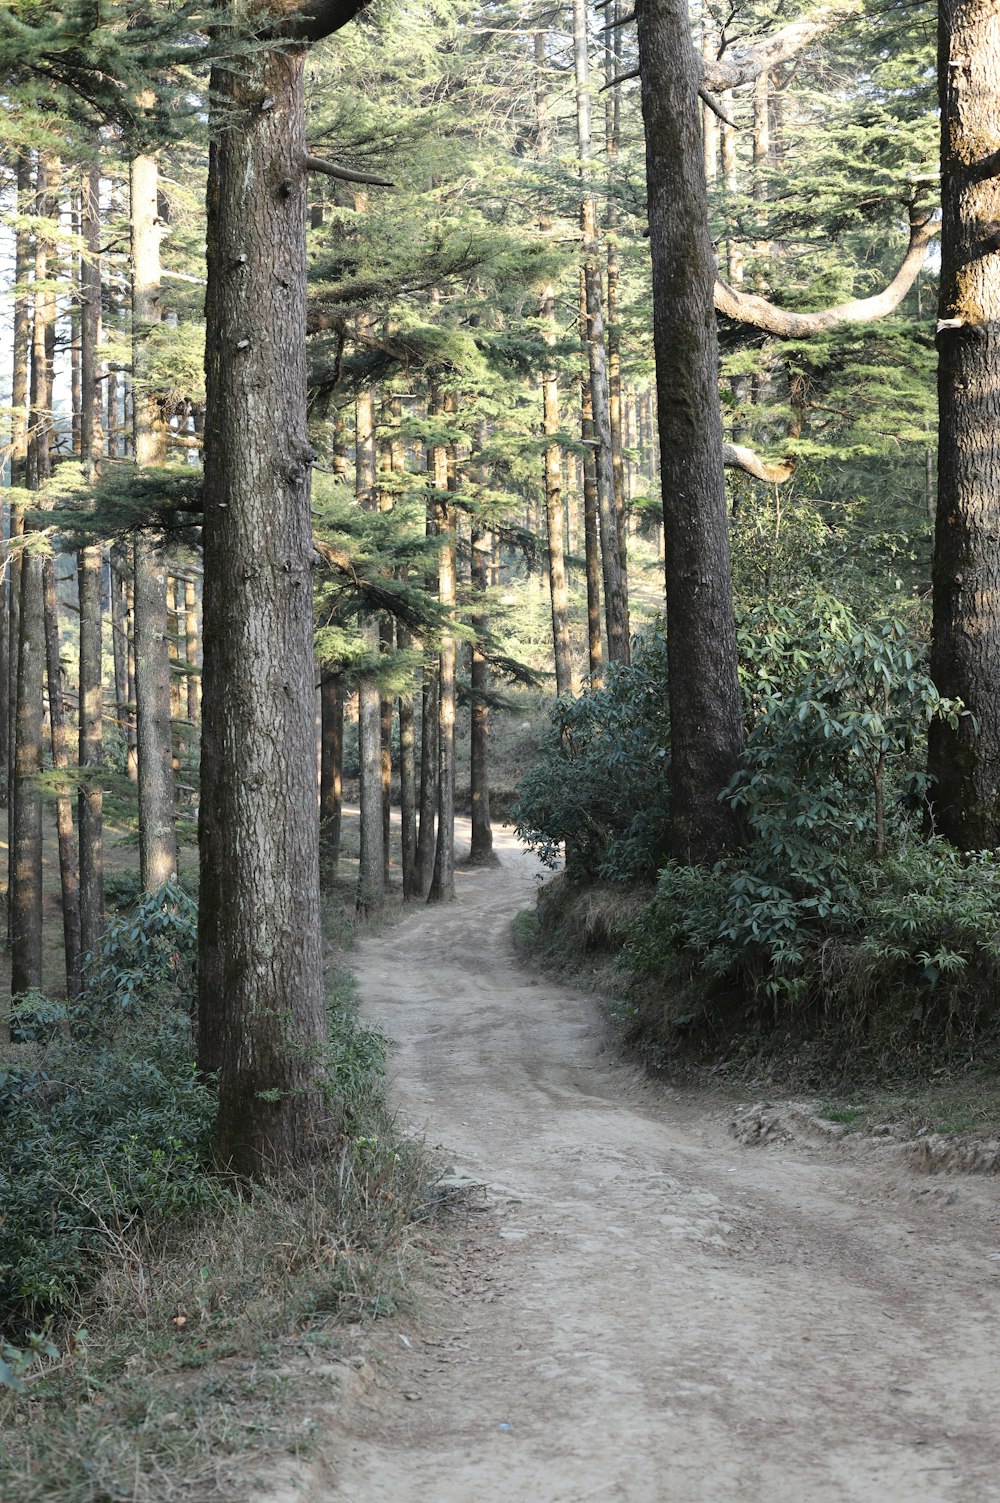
203,1350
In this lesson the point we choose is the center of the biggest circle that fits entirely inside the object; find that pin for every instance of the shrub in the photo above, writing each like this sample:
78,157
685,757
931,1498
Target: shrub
600,787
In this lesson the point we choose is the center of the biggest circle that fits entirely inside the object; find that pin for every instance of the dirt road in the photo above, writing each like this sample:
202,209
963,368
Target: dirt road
654,1312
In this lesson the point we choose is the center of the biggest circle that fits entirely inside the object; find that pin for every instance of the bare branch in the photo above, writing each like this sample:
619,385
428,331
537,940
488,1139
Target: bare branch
346,174
716,108
739,457
748,309
620,79
622,21
315,19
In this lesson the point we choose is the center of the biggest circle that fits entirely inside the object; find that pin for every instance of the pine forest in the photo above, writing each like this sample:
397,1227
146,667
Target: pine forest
499,750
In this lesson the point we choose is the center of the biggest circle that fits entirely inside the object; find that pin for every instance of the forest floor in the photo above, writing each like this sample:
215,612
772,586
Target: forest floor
654,1294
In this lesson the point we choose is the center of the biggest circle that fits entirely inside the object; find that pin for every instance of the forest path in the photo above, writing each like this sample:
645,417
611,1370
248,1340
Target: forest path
652,1312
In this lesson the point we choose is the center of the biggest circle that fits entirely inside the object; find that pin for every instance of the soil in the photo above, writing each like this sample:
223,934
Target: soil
649,1302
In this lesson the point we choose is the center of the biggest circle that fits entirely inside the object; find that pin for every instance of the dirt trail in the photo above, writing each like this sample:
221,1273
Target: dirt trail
654,1312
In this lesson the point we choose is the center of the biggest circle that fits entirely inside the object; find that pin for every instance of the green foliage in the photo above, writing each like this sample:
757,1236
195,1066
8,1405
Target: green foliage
600,785
146,959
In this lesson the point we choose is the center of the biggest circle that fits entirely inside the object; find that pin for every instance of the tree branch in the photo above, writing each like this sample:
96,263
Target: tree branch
716,108
747,62
346,174
745,308
739,457
315,19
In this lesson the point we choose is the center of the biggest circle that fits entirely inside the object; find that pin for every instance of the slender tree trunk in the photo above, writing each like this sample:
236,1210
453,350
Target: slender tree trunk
191,652
442,888
331,776
90,579
68,871
706,713
964,760
612,125
481,853
428,778
371,867
407,782
157,837
21,345
26,810
761,155
615,608
262,1020
591,542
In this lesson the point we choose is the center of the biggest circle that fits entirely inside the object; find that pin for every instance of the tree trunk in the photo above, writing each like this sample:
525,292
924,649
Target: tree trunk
331,774
481,853
706,713
615,609
428,778
68,871
21,345
262,1020
154,749
612,120
191,652
371,866
442,888
965,653
591,541
26,804
90,581
407,782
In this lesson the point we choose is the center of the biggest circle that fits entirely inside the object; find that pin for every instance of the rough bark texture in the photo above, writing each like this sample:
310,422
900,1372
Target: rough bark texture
331,773
965,656
591,540
69,878
428,778
154,750
90,576
20,346
262,1021
705,701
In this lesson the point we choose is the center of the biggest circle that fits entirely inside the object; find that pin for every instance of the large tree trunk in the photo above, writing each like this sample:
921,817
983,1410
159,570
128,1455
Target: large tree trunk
69,880
262,1020
615,608
90,577
157,837
965,657
428,777
706,715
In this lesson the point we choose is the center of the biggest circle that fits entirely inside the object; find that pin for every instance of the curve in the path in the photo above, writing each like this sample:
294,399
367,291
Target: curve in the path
655,1313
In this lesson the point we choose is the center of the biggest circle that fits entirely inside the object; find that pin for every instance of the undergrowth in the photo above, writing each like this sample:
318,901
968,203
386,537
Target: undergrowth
167,1330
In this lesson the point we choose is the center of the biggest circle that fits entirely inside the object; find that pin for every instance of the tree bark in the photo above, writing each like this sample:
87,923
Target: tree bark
331,774
615,609
965,655
69,881
591,540
407,782
428,777
90,580
26,804
442,888
154,749
706,712
262,1020
481,853
371,866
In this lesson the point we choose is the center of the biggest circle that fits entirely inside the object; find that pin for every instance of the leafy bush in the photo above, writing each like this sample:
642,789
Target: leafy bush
146,957
600,787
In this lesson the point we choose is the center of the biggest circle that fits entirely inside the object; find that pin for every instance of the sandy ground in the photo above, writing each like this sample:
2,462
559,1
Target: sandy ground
647,1310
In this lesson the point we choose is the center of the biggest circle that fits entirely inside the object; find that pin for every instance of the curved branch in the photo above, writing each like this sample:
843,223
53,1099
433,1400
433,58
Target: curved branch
748,309
313,20
747,63
346,174
739,457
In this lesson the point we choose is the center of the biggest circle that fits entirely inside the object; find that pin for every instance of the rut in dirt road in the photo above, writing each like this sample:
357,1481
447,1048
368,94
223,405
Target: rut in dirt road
655,1313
